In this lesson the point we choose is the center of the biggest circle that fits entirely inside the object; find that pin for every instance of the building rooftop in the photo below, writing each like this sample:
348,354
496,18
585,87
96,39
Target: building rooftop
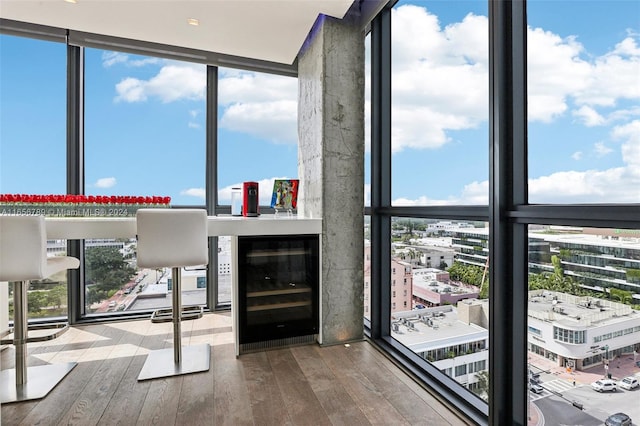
438,281
432,328
623,241
577,311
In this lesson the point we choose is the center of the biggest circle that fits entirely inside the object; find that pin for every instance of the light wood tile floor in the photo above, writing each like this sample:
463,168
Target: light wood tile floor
302,385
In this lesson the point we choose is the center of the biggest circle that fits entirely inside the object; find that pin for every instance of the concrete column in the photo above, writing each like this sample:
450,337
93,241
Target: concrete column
331,168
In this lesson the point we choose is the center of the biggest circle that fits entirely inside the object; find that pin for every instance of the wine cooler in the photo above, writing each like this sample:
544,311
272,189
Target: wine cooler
278,291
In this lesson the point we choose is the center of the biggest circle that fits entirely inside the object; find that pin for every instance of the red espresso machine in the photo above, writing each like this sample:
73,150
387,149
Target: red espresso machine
250,204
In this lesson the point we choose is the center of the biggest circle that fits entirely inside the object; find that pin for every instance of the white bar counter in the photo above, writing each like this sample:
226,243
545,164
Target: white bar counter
72,228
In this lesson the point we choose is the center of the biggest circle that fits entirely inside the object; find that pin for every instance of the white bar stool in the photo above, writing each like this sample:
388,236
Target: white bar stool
23,257
174,238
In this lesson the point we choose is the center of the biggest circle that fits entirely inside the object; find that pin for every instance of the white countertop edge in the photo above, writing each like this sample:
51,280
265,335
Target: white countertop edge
125,227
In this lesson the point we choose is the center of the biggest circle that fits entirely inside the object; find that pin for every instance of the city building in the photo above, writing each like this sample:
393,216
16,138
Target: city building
433,287
448,340
580,332
597,261
401,284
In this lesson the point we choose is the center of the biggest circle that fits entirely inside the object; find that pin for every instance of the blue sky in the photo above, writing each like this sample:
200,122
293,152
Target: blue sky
145,117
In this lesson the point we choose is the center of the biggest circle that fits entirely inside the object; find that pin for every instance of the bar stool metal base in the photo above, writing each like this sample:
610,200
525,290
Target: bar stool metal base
160,363
42,379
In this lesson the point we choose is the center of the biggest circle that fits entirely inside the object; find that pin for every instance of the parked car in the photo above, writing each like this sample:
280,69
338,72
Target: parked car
604,385
629,383
618,419
535,388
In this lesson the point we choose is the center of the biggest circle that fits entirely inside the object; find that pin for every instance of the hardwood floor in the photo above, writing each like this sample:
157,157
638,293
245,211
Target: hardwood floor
302,385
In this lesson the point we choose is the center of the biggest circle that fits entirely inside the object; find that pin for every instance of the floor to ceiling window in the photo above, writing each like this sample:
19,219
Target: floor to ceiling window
33,143
554,161
583,88
145,135
433,180
257,142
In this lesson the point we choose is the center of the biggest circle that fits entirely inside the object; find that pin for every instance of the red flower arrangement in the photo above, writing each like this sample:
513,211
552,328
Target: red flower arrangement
82,199
77,205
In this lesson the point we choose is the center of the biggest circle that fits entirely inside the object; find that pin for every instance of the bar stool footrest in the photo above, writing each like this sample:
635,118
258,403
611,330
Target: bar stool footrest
62,328
187,313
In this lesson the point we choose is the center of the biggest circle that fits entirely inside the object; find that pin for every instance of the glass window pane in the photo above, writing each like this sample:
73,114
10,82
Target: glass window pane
257,142
583,101
144,127
583,323
145,135
32,148
257,131
439,305
33,113
439,103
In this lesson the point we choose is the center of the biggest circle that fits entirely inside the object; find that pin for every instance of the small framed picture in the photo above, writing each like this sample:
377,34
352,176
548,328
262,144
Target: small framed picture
285,194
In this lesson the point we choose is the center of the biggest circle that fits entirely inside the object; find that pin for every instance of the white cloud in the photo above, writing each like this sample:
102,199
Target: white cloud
172,83
261,105
475,193
630,134
194,192
589,116
613,76
440,85
554,71
193,115
131,90
274,120
440,77
601,149
110,59
616,185
107,182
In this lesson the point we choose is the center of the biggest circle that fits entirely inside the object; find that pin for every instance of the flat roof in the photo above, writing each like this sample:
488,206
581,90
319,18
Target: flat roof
433,328
577,311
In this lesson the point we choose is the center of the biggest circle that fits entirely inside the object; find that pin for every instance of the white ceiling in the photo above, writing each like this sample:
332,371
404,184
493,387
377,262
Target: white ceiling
269,30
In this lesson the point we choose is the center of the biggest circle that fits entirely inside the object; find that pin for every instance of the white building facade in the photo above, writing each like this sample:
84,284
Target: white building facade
579,332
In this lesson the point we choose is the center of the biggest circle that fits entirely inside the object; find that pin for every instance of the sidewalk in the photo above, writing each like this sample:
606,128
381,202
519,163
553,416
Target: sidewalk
619,368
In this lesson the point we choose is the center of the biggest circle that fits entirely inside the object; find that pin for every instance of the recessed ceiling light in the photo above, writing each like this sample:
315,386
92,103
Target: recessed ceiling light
193,21
71,1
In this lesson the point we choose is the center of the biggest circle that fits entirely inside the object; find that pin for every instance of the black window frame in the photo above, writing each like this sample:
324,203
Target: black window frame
509,214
